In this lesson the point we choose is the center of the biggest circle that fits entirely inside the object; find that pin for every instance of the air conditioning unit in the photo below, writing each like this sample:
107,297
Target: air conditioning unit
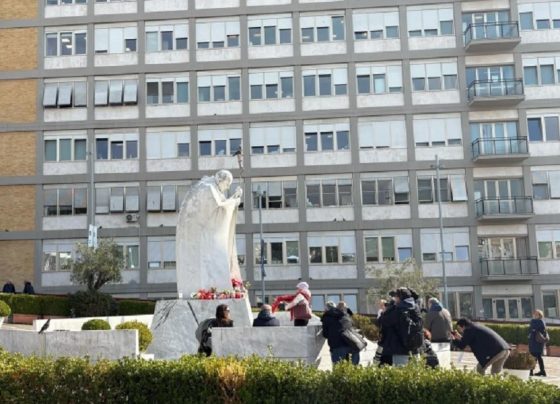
132,217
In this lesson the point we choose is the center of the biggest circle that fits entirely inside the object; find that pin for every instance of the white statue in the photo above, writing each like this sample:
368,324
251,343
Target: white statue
205,242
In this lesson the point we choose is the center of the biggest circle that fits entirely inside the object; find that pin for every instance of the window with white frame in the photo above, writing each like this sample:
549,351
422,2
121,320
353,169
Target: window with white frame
211,34
266,30
168,36
541,15
273,139
548,241
65,94
165,197
433,76
452,188
331,248
116,199
130,254
493,130
115,39
65,148
161,253
113,1
325,82
546,184
429,21
219,141
271,85
379,79
65,200
116,146
381,134
116,92
322,28
385,190
434,131
58,255
69,42
64,2
544,128
275,194
168,90
372,24
324,137
543,71
240,243
167,145
219,88
455,242
380,248
326,192
278,249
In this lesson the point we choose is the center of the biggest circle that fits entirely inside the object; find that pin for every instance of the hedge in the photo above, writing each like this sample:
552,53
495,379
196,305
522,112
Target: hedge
128,307
194,379
45,305
519,333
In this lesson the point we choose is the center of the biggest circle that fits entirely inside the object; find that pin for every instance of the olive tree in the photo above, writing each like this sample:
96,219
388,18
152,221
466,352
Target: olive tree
95,267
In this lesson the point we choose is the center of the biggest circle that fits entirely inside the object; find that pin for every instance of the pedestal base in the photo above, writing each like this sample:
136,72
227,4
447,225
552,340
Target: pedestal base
175,323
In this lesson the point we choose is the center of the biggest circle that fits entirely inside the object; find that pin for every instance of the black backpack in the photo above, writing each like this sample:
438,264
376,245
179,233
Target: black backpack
204,335
411,330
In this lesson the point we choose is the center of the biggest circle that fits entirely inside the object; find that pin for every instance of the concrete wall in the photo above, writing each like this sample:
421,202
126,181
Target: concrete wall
18,48
18,9
22,145
75,324
94,344
16,261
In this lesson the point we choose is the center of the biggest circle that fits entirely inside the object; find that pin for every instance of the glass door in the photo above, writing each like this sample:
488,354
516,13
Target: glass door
511,308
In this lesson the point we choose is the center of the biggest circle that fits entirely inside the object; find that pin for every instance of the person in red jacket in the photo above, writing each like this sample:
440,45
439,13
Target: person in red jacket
299,304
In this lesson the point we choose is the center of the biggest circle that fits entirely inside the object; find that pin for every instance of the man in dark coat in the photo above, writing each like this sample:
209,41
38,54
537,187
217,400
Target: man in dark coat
28,288
265,318
487,346
335,321
9,287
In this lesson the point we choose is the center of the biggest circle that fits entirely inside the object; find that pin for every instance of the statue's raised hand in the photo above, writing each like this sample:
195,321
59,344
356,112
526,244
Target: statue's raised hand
238,193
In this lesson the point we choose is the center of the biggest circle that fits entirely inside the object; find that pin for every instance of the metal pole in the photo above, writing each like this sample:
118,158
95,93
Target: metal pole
438,187
263,273
92,228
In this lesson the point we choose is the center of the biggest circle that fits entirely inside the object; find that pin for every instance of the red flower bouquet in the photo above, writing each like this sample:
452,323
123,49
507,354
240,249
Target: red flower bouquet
238,292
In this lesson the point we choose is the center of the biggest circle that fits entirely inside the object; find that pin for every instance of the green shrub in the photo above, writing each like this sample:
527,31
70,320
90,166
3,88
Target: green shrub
46,305
96,324
136,307
144,333
192,379
5,310
92,304
26,304
366,325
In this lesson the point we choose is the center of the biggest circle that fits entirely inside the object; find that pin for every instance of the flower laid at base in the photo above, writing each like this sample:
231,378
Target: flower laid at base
238,292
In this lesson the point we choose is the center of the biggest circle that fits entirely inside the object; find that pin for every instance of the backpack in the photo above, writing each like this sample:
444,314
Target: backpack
204,334
302,311
411,330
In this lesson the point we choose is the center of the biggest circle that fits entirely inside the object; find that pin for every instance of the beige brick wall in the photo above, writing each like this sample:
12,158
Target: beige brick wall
18,48
17,154
17,207
18,9
18,101
16,262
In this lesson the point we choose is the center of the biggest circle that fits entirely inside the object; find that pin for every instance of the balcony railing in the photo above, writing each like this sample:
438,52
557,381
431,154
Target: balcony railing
509,266
500,146
491,31
515,205
495,88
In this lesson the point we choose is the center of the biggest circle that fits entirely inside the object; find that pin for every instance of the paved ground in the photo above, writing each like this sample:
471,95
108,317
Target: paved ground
463,361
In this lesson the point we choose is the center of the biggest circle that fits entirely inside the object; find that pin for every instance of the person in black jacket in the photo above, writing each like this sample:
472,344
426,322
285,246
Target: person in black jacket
9,287
28,288
335,321
487,346
265,318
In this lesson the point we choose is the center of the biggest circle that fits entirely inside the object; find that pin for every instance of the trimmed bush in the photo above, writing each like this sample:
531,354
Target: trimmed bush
46,305
5,310
144,333
92,304
192,379
366,325
96,324
136,307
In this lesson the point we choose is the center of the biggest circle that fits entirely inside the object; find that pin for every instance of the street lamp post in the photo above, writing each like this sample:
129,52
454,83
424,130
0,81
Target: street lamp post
92,230
438,188
263,273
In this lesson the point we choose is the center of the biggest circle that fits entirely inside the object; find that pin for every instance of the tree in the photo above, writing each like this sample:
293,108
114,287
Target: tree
407,274
97,267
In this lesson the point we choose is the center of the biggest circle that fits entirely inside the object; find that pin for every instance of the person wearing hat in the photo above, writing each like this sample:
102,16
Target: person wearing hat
438,321
300,305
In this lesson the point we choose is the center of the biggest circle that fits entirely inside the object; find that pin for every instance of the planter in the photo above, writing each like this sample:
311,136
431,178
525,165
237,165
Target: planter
1,321
553,350
522,347
24,318
522,374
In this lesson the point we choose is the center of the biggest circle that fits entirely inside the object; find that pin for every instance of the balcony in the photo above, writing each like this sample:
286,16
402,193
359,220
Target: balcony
515,207
495,93
508,268
491,36
502,148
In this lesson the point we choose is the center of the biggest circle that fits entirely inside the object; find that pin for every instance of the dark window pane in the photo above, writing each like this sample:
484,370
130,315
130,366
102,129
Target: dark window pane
167,92
270,35
66,43
547,74
338,28
255,36
80,43
287,87
52,45
181,43
152,96
219,93
80,149
418,84
205,148
183,150
307,35
308,86
130,45
271,91
220,146
117,150
392,32
131,149
310,142
526,20
323,34
535,129
233,41
203,93
182,92
102,149
325,84
285,36
364,86
233,88
551,127
342,140
530,75
327,141
256,92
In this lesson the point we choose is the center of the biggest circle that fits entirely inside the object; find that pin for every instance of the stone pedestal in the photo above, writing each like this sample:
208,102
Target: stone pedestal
175,323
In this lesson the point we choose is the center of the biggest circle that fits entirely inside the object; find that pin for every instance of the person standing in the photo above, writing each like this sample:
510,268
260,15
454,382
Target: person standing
9,287
265,318
488,347
300,308
335,320
438,321
536,344
28,288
